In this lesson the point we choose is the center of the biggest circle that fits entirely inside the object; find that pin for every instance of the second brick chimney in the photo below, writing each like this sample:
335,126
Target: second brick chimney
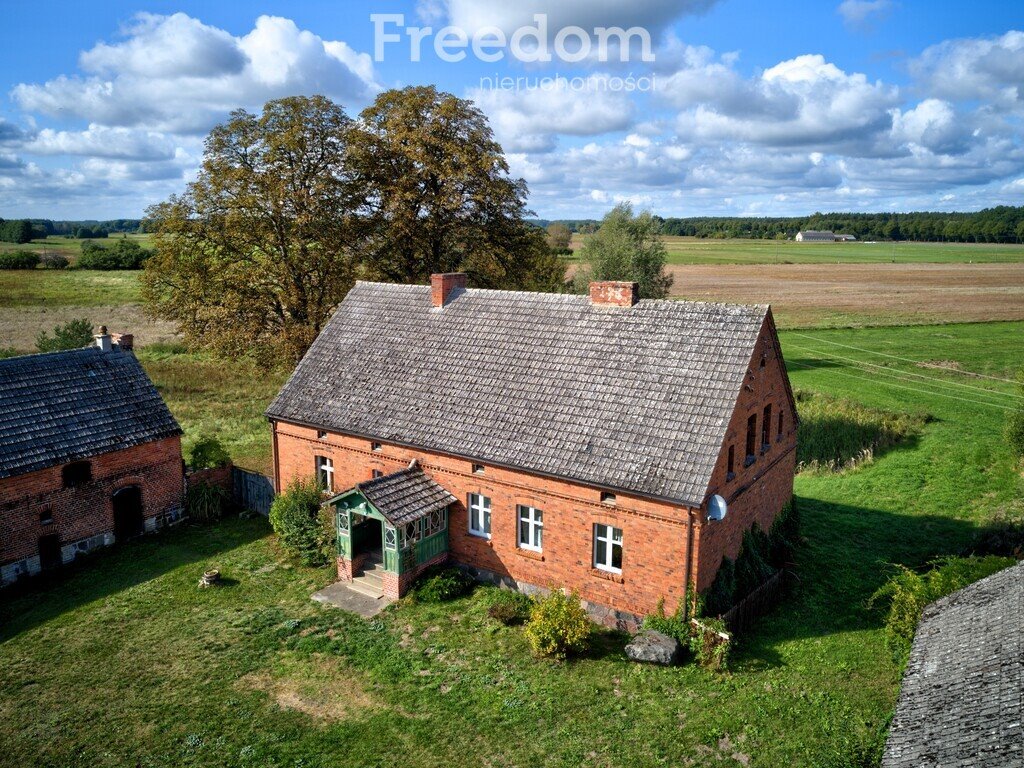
443,285
613,293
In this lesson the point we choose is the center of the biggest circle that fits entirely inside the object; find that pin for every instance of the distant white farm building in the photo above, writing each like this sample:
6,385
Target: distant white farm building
817,236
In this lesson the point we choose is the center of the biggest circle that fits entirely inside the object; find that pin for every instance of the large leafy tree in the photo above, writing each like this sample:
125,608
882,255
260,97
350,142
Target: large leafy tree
626,247
255,254
438,196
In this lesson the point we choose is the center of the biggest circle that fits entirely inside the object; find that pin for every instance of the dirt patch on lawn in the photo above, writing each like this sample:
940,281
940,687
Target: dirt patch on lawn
19,326
323,687
862,294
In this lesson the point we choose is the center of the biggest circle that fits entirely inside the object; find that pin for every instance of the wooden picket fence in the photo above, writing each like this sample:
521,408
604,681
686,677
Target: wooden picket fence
742,616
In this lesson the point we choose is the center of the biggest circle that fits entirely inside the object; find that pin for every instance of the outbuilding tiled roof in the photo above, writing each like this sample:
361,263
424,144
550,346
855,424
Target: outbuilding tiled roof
631,398
61,406
962,700
406,495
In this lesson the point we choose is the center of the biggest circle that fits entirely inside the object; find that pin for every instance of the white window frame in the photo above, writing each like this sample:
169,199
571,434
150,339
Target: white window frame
606,533
325,472
479,508
534,520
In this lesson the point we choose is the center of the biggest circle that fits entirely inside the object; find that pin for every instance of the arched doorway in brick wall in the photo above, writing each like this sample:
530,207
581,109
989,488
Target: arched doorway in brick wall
127,513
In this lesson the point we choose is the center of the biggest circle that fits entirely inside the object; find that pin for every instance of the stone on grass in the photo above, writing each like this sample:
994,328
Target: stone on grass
654,648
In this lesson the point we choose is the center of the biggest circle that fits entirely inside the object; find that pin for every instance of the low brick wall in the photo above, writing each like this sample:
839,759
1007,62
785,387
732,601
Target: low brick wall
216,476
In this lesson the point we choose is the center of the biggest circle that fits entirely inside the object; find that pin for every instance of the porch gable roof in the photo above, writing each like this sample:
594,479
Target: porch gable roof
404,496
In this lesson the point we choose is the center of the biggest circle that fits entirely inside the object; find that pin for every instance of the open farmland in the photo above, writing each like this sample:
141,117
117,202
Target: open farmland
807,295
692,250
136,666
70,246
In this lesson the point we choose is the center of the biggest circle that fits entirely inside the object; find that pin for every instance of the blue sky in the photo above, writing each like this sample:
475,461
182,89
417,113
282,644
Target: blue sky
746,108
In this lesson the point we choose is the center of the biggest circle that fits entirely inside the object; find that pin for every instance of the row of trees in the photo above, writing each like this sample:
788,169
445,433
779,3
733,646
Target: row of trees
1003,224
293,205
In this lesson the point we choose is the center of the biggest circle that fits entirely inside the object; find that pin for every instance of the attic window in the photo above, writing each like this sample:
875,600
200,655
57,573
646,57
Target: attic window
607,497
76,473
764,361
478,469
374,446
321,434
376,473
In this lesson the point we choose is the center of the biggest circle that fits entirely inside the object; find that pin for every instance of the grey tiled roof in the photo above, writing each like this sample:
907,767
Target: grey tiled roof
963,689
633,398
406,495
61,406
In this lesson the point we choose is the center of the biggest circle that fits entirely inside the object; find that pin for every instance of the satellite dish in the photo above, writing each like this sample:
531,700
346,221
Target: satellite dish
717,508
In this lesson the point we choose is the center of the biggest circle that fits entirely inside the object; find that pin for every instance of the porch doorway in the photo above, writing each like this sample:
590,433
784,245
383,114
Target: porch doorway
367,540
127,513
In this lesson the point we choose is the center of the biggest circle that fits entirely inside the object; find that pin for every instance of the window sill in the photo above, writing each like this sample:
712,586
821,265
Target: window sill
730,476
530,554
486,539
607,575
749,460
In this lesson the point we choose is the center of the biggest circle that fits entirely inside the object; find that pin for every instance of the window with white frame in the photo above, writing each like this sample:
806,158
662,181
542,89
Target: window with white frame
325,472
479,515
607,548
531,528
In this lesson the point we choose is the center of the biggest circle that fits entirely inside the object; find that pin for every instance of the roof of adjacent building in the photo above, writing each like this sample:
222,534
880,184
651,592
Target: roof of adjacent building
961,700
62,406
405,496
630,398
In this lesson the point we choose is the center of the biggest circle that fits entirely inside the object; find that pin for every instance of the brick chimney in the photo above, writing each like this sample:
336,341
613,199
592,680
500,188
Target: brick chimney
443,286
612,293
123,341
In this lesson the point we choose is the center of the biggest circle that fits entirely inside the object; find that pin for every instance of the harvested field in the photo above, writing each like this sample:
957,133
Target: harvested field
811,295
19,326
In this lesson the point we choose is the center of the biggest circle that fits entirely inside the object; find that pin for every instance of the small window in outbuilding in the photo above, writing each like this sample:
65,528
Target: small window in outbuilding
478,469
76,473
764,361
766,428
321,434
607,497
780,425
46,517
375,446
376,473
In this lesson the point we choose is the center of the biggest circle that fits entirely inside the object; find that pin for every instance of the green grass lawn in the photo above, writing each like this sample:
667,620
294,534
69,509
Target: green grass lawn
692,250
126,662
62,288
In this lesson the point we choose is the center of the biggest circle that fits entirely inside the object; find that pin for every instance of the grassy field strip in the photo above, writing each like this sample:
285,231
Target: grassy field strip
908,376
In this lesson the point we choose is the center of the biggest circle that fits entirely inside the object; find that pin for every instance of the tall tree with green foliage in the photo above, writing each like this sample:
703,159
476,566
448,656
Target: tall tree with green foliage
438,196
252,258
626,247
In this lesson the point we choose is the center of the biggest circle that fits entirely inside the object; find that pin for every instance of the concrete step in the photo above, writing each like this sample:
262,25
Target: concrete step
359,585
375,578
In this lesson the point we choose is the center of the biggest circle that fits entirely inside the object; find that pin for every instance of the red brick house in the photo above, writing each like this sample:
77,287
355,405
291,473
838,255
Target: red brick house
541,440
89,455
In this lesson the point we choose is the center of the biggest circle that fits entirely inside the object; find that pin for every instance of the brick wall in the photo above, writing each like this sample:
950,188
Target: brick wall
84,516
759,491
654,533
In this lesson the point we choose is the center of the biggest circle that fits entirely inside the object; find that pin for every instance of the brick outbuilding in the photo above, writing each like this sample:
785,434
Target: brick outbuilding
585,442
89,455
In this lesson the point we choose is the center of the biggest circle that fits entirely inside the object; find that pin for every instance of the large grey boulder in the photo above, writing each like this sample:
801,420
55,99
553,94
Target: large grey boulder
654,648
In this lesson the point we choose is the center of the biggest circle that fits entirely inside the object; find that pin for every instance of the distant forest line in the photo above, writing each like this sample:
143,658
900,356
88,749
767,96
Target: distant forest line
1002,224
